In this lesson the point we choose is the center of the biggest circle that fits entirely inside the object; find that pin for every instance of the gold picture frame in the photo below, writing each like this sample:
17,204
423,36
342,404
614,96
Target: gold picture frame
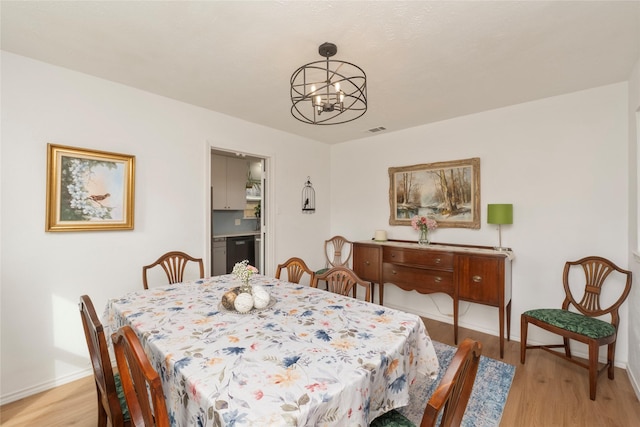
89,190
448,192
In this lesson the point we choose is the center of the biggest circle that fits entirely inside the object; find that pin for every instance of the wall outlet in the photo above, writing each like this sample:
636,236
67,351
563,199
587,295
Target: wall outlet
238,221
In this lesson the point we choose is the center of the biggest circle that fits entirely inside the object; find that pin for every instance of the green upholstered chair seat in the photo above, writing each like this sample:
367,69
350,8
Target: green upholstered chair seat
573,322
392,418
121,398
322,271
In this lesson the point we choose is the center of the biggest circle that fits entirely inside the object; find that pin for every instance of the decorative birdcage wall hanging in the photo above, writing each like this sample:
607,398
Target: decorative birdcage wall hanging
308,198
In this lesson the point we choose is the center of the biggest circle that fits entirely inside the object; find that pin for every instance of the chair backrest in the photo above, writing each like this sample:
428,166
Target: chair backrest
173,264
296,268
342,280
596,270
337,251
140,382
100,361
453,392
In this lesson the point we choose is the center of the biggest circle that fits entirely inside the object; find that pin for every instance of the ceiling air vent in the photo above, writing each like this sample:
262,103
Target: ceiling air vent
378,129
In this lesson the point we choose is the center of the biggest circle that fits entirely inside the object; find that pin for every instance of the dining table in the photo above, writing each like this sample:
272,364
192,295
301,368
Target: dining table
310,358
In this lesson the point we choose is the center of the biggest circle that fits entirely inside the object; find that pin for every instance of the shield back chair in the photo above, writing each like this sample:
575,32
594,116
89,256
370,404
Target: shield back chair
582,323
337,253
173,264
450,397
296,269
140,381
343,281
111,401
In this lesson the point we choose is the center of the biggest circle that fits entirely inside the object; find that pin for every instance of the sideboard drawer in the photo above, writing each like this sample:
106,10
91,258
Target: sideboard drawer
419,279
418,257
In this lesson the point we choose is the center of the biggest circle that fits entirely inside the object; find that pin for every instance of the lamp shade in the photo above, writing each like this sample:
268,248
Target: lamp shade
500,213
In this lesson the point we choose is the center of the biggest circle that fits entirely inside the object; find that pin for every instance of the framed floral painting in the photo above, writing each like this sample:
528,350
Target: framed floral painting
89,189
448,192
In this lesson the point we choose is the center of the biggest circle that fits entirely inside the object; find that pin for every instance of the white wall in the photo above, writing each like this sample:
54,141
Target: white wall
44,274
561,161
634,220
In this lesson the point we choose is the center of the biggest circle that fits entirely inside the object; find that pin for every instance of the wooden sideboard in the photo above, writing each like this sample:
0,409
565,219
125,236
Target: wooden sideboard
477,274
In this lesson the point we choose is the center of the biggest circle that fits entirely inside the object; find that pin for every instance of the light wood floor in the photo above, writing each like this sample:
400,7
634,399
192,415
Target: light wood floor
546,392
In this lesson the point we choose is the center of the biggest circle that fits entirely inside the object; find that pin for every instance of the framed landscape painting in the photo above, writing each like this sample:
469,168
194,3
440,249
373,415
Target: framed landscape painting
89,189
448,192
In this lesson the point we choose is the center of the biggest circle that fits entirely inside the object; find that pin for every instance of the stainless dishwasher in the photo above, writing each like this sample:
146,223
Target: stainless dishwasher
240,248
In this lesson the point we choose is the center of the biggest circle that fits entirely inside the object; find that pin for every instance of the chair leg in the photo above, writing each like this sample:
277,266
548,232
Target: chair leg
611,356
524,326
593,369
102,415
567,347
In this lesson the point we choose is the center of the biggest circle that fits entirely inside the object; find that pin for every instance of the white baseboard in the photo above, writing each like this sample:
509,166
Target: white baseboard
634,383
21,394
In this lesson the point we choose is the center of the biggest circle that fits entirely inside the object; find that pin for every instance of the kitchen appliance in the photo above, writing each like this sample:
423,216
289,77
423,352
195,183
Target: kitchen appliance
240,248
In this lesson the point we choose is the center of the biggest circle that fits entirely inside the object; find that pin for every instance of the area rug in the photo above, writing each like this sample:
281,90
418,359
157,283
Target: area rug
488,396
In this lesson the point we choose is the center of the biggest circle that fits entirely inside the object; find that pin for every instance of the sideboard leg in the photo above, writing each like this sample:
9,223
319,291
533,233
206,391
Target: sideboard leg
509,321
455,319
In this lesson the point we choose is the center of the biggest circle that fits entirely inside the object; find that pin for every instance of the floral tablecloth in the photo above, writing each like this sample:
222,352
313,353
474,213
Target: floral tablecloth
313,359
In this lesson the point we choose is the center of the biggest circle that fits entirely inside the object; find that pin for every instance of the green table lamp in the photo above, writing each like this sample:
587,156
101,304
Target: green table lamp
501,213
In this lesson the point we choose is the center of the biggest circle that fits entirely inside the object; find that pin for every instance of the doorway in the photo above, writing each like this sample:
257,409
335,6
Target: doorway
238,214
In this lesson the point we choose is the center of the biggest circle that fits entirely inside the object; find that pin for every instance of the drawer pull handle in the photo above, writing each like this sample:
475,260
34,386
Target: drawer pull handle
437,279
393,272
437,260
477,279
367,263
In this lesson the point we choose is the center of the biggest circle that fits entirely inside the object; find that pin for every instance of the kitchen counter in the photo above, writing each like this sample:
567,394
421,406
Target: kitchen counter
244,233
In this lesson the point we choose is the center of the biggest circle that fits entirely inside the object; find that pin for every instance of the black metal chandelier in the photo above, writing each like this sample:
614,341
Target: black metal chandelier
328,92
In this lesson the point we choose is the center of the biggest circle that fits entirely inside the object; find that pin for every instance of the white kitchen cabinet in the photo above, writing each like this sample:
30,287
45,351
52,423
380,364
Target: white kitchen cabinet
228,179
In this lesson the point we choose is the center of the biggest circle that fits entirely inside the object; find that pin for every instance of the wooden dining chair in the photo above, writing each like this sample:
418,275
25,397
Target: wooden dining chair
337,253
343,281
173,263
140,382
583,325
452,395
111,401
296,269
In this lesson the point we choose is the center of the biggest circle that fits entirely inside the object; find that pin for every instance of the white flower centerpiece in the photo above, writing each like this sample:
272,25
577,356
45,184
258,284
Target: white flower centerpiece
245,297
243,272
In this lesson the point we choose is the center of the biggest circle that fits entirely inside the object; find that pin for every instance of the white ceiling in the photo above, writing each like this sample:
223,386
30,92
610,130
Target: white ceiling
425,60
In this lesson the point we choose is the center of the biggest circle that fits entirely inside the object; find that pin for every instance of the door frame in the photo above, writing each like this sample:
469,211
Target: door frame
267,218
